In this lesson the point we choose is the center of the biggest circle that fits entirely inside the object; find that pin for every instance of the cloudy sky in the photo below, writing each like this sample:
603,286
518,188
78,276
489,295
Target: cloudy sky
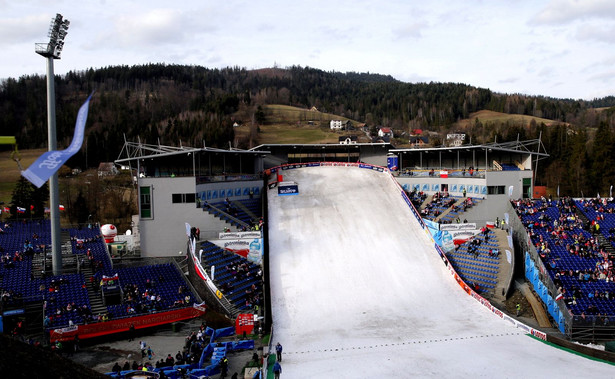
558,48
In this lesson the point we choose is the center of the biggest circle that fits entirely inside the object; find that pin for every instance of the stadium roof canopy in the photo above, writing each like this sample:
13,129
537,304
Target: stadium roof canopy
138,150
161,160
533,147
319,146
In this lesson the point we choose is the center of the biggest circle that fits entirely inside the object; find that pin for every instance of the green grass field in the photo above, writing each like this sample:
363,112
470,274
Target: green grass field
287,114
286,134
497,117
286,125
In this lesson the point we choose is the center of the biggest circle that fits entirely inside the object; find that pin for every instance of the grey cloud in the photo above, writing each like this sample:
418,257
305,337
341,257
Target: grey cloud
265,27
413,78
593,33
315,54
562,12
26,29
158,27
546,72
412,30
336,34
603,77
509,80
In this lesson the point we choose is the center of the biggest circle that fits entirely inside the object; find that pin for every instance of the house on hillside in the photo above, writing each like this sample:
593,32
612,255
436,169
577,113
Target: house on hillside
107,169
385,132
336,125
419,141
348,140
341,125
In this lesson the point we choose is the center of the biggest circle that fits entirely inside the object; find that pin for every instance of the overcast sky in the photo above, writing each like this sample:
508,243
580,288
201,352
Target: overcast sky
562,49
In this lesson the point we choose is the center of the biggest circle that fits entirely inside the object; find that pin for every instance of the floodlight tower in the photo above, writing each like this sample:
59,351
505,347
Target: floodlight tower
52,50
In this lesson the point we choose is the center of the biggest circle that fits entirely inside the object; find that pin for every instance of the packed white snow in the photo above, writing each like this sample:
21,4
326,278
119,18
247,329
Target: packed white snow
358,291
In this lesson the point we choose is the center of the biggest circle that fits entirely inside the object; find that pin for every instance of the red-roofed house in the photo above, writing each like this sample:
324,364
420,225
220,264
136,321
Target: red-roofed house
385,132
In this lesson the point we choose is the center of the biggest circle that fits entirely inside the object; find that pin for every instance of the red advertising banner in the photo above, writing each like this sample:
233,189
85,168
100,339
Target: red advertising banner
123,324
244,323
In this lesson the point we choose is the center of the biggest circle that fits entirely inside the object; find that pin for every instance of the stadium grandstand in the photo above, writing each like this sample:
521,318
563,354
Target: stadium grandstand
94,297
570,262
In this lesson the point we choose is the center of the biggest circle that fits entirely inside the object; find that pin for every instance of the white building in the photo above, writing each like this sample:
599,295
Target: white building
336,125
385,132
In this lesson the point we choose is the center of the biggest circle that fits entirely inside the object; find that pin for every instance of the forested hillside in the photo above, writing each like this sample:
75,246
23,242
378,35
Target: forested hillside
196,105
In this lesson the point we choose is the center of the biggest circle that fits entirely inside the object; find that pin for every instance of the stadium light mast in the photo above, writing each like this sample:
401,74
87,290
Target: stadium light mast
52,50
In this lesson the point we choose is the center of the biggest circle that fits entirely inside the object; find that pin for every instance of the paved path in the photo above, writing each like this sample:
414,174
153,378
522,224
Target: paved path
102,356
539,311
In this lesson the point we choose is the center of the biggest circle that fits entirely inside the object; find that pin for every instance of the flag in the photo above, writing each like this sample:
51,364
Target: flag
61,207
21,210
559,297
50,162
31,207
47,210
7,209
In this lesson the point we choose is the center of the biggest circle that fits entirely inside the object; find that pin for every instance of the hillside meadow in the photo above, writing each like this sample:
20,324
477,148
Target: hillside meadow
486,116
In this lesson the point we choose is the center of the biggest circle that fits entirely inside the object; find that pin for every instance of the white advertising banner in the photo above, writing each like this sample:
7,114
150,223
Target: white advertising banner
236,235
249,248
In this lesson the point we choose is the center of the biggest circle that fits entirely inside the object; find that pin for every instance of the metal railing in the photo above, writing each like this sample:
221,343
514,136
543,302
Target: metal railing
435,173
226,215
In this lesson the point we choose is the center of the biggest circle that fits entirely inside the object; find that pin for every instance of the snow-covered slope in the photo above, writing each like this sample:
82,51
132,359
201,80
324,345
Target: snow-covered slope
358,291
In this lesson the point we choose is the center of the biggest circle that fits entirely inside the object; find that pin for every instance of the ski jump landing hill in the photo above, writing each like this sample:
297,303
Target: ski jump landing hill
359,290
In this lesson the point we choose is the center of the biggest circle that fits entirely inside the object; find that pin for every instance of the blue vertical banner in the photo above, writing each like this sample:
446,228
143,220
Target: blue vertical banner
47,164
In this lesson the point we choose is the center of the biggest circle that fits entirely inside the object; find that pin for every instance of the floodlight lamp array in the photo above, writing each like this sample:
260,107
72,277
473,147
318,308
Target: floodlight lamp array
57,32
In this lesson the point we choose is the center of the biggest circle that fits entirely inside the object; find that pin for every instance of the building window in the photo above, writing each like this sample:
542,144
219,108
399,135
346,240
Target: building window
178,198
145,196
496,190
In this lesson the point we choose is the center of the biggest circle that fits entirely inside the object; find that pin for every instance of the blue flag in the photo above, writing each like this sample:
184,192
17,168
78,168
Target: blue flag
47,164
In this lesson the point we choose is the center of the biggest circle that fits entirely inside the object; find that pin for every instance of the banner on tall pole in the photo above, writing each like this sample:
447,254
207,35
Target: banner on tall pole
47,164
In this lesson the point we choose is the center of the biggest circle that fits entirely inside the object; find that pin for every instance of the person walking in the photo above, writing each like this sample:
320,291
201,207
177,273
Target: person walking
76,343
278,351
277,370
223,367
518,309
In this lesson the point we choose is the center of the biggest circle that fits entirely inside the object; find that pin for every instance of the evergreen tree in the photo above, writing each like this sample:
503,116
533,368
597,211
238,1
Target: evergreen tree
22,195
602,171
